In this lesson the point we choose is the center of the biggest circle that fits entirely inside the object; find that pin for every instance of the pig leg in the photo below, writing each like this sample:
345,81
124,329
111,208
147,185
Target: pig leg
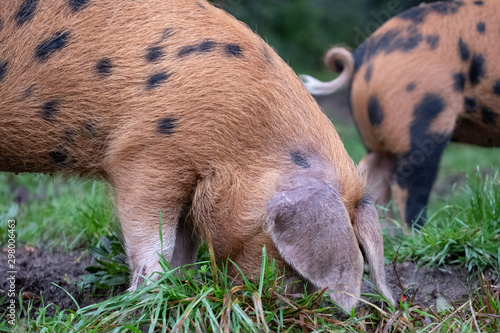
140,199
378,170
434,119
312,230
415,173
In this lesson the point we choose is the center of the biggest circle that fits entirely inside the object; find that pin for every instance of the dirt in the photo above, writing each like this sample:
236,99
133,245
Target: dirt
38,273
426,285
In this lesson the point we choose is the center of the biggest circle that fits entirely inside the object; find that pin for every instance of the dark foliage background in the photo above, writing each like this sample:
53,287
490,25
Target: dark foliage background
302,30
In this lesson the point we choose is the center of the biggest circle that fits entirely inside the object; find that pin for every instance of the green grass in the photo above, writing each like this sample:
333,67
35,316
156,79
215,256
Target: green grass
207,300
62,212
464,231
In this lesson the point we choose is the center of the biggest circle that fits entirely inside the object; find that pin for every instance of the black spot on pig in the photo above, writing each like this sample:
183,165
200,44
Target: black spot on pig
396,39
359,55
26,12
411,86
496,88
3,70
299,159
50,110
233,50
477,69
89,130
154,53
167,33
415,14
207,46
481,27
463,50
167,125
418,14
432,41
69,136
56,42
29,91
470,104
368,73
203,47
59,158
417,169
375,111
267,56
459,82
446,8
104,67
156,79
76,5
427,110
187,50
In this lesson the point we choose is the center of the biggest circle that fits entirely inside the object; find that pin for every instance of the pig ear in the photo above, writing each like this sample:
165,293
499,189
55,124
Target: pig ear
367,229
312,231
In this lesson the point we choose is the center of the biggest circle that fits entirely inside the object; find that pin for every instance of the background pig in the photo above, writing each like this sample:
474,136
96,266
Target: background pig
427,76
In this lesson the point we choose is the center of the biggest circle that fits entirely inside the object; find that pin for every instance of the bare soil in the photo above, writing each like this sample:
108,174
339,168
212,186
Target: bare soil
39,273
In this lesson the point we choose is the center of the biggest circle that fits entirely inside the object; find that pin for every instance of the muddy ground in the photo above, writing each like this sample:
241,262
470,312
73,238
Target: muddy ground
38,273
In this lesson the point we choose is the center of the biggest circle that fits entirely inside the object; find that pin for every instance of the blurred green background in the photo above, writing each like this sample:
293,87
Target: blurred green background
302,30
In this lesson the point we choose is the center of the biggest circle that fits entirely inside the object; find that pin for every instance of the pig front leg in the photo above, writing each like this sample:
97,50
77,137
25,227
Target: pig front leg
312,231
140,199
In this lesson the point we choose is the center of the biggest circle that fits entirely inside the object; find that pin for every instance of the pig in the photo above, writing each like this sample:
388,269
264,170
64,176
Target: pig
426,77
197,124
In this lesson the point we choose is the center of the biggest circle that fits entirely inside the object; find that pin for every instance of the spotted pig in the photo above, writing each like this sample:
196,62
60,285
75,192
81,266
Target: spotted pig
428,76
197,124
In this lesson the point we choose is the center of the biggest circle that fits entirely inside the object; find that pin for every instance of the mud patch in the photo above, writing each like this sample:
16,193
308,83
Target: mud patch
39,272
452,284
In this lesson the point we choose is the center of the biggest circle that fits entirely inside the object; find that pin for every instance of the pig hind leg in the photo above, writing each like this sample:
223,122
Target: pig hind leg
414,175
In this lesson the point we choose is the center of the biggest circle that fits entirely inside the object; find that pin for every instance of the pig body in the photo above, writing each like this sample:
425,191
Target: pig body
426,77
193,119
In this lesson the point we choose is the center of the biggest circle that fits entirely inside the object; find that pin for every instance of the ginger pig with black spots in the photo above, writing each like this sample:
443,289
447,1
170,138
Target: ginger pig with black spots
428,76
